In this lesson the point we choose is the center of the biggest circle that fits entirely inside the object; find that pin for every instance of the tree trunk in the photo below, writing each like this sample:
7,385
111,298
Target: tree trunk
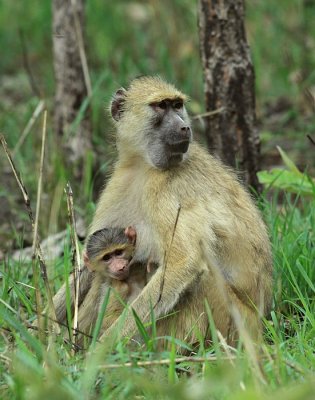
72,83
229,84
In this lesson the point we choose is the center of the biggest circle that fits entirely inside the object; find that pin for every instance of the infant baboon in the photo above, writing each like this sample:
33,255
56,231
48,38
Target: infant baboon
108,254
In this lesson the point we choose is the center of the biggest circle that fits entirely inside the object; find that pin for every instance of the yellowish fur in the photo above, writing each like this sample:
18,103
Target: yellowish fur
220,252
91,305
233,264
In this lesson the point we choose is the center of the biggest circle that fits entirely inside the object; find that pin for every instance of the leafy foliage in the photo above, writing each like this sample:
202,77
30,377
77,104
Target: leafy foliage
290,179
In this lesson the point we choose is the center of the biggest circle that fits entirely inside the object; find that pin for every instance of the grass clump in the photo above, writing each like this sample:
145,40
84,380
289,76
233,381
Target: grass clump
283,365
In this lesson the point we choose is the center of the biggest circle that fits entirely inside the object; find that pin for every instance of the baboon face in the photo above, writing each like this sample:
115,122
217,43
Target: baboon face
109,251
152,119
169,136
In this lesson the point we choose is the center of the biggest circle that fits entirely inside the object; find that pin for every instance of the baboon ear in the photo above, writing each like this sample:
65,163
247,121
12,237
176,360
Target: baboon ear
117,104
86,260
131,234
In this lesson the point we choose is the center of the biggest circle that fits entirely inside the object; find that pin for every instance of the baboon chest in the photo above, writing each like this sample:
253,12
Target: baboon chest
128,208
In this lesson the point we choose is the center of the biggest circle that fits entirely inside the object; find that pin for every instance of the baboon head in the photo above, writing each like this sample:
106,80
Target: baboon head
152,122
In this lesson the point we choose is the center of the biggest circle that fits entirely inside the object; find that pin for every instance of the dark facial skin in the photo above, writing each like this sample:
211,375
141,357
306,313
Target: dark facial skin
170,135
167,134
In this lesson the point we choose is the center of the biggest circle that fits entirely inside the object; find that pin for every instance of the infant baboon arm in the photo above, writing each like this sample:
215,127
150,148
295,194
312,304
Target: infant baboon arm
184,265
117,298
89,307
86,278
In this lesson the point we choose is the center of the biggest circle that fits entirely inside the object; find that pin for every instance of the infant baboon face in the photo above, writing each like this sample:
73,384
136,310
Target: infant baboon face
110,250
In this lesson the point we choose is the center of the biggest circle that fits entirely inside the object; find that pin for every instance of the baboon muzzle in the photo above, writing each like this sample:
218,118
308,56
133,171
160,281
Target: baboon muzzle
179,147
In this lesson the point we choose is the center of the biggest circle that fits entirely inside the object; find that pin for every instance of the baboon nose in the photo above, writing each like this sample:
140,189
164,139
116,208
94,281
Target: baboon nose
185,132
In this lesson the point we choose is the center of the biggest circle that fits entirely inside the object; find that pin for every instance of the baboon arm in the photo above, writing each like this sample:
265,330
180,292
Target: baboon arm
60,297
163,297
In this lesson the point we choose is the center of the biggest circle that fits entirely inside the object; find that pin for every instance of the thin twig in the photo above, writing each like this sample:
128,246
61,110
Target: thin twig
6,359
165,362
311,139
166,256
38,251
77,267
35,328
46,332
226,347
27,66
189,359
39,108
18,179
80,41
30,214
310,98
294,366
249,345
36,247
209,113
39,184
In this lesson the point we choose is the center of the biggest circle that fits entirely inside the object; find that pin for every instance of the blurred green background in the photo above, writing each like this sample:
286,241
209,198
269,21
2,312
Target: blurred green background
125,39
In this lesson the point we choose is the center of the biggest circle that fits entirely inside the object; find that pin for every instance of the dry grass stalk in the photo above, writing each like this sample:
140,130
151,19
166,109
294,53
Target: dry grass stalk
18,179
40,180
248,345
165,362
37,253
80,41
77,267
30,214
228,351
39,108
166,256
38,296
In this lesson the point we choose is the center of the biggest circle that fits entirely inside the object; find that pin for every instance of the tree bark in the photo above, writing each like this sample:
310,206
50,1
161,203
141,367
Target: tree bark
229,83
72,85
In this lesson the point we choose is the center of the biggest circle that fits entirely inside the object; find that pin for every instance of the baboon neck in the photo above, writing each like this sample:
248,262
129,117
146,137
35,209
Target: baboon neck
129,157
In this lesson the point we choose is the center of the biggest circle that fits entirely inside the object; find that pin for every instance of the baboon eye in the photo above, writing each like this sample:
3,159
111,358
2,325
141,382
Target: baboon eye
118,252
178,105
162,105
107,257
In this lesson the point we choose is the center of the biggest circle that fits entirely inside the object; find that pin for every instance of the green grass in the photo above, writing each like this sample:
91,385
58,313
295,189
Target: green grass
126,39
31,370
